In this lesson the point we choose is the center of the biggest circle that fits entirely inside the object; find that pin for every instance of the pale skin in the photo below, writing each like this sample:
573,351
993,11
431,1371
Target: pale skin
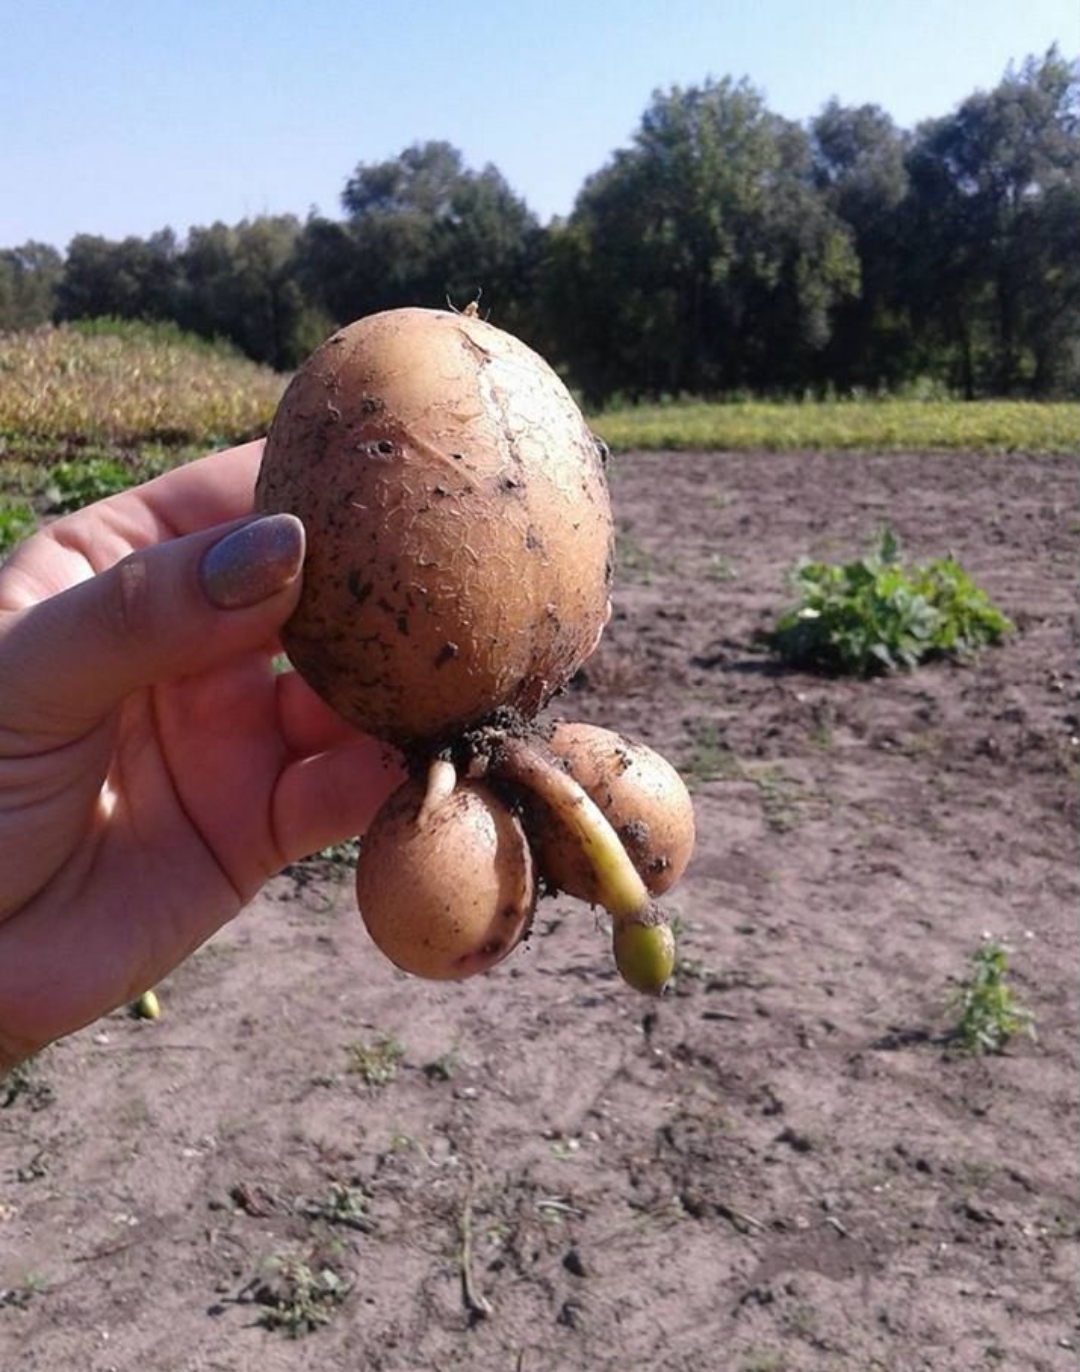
155,772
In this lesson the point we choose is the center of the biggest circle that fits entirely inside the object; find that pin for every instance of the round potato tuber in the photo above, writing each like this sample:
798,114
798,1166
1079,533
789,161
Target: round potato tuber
445,890
458,523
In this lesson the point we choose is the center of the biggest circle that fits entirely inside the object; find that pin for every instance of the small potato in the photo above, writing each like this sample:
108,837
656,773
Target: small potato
642,797
446,893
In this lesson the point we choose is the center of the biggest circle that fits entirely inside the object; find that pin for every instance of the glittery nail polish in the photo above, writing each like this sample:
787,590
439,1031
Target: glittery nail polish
254,562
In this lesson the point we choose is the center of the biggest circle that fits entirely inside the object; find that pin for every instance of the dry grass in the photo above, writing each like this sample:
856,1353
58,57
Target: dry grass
129,388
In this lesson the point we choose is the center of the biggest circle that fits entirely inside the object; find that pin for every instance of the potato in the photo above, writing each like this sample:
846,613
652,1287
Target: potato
640,794
458,567
445,892
458,523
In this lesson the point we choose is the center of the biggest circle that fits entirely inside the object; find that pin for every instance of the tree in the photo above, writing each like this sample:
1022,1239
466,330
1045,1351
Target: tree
422,228
241,283
995,209
134,279
702,258
29,276
859,168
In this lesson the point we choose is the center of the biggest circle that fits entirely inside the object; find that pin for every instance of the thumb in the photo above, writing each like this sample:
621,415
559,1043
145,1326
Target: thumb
171,610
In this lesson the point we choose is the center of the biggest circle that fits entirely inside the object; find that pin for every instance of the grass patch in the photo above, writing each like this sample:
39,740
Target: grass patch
843,425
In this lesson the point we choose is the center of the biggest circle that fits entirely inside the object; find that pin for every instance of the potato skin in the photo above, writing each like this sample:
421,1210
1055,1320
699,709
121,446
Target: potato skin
448,894
458,522
641,795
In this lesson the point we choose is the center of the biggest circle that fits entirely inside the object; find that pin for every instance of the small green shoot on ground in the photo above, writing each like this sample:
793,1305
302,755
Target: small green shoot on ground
343,1204
873,615
988,1013
298,1297
375,1063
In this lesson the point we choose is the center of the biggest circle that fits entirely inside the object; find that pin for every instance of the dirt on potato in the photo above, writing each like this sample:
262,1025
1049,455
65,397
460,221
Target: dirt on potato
783,1166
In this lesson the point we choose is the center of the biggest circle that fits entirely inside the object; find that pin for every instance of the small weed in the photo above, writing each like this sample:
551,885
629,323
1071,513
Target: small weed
441,1068
989,1015
823,729
24,1082
718,568
342,854
710,759
634,563
375,1063
343,1204
762,1362
298,1297
781,796
871,616
19,1297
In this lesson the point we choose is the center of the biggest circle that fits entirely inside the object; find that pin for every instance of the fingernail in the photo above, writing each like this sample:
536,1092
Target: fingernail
254,562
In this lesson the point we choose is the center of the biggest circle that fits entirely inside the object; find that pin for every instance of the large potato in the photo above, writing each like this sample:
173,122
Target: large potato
458,523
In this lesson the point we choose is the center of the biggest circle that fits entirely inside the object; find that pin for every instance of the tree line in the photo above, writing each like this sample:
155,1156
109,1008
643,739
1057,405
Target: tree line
725,249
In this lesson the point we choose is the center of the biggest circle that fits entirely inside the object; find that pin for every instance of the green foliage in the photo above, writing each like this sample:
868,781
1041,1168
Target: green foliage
988,1013
343,1204
29,276
993,274
873,615
423,229
677,271
724,247
297,1297
75,484
17,520
156,332
375,1063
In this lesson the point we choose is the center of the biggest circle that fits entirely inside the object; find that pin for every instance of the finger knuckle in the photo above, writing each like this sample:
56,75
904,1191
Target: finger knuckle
127,606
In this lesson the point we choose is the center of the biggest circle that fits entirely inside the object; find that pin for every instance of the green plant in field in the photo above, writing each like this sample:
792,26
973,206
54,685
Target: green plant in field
75,484
375,1063
873,615
298,1297
16,521
988,1013
343,1204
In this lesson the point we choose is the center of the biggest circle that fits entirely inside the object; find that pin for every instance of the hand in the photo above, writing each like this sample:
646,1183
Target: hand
154,770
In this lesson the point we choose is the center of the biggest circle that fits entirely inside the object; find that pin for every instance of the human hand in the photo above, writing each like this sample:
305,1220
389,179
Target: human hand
154,770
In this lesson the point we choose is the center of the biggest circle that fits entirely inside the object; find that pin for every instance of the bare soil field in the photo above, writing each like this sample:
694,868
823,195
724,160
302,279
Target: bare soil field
784,1165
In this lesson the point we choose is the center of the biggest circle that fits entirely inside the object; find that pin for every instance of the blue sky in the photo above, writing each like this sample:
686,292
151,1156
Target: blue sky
122,118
